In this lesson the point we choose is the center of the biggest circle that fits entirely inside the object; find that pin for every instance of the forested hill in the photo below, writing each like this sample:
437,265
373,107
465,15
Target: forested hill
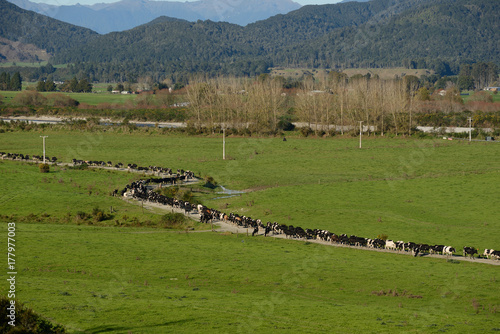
415,33
453,31
375,33
206,46
28,27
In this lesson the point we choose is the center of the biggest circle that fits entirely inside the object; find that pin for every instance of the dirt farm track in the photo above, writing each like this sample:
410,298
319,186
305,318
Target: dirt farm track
224,227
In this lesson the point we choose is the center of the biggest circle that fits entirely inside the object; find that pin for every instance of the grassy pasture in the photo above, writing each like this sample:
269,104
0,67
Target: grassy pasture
469,94
23,64
87,98
96,280
98,98
109,279
27,191
435,191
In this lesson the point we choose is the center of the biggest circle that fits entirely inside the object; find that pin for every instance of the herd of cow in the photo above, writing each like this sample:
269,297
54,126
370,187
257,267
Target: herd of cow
25,157
156,170
144,191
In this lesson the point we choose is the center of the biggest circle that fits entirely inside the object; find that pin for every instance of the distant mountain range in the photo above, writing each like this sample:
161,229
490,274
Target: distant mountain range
127,14
435,34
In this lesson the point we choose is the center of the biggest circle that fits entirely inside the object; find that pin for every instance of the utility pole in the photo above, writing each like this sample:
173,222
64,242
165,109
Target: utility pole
224,143
360,132
470,129
43,148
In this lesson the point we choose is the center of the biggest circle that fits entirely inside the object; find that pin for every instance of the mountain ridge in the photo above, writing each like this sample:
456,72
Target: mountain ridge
434,34
28,27
128,14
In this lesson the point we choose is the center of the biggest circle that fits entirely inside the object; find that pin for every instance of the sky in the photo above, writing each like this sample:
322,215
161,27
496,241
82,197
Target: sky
90,2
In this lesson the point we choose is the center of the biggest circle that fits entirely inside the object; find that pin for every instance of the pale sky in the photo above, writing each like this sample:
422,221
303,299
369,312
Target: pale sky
90,2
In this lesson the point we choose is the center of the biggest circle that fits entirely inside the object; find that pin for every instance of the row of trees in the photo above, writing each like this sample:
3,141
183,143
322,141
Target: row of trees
478,75
74,86
8,82
333,104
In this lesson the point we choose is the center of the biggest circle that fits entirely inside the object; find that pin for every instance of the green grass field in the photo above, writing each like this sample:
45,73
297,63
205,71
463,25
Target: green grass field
421,190
468,95
116,279
23,64
87,98
108,280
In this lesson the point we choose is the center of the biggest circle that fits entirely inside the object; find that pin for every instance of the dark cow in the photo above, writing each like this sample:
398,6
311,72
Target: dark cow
469,251
267,230
436,249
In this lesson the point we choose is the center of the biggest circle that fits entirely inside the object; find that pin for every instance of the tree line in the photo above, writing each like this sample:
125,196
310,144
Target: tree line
333,105
74,86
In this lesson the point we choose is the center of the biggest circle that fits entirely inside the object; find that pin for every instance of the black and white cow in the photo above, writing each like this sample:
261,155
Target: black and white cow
487,253
491,254
436,249
448,250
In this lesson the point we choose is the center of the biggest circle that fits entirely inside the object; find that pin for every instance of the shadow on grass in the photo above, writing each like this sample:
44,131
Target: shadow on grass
103,329
111,328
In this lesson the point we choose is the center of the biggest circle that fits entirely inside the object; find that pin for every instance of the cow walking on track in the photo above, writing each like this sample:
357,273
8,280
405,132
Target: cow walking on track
469,251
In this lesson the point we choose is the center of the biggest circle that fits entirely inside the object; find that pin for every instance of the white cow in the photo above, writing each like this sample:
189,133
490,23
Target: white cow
389,244
448,250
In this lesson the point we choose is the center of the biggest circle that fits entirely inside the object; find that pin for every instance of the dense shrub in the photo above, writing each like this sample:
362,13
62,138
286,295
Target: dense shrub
80,215
61,100
99,215
210,182
172,220
306,131
44,168
481,96
29,98
26,321
285,123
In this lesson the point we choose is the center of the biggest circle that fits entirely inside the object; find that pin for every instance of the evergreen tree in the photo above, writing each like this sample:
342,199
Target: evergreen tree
73,85
40,86
4,81
50,86
84,86
465,82
16,82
